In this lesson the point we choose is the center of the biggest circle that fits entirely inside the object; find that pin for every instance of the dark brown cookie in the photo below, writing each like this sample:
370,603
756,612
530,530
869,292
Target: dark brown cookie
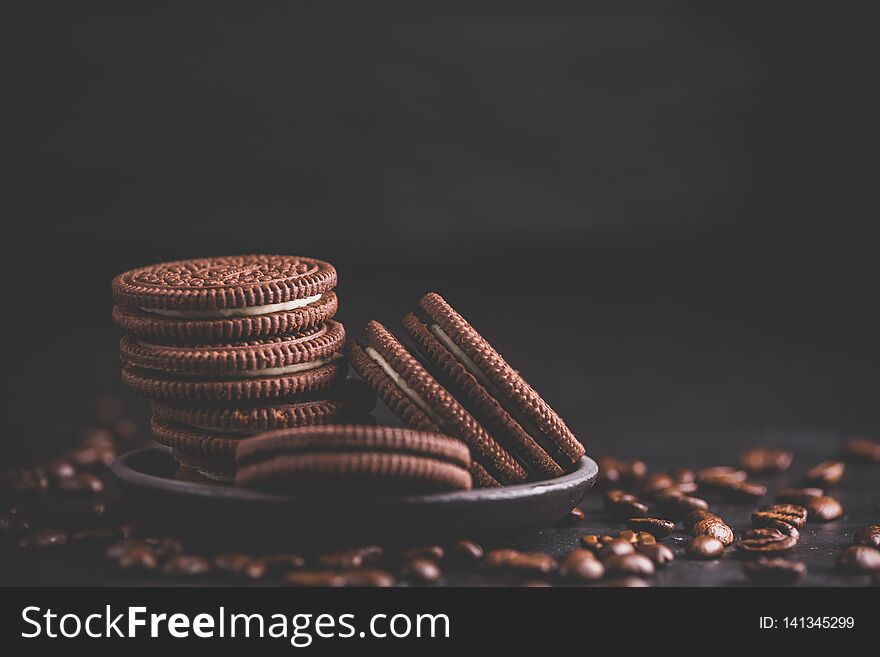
210,454
346,457
422,403
173,330
228,286
352,398
476,398
522,403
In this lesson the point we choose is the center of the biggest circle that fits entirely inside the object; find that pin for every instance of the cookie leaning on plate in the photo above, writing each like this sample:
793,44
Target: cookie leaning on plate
351,458
224,299
422,403
492,390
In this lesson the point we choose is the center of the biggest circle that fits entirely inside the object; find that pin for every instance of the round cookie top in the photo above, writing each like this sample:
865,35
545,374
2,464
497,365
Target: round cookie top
226,282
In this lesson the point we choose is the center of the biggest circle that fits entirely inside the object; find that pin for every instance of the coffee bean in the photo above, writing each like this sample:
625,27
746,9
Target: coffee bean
581,564
275,564
464,552
683,476
625,582
514,560
314,578
654,483
186,565
657,552
164,547
740,491
657,527
628,535
826,474
90,456
793,514
421,570
704,546
631,471
535,584
869,536
609,475
629,564
823,509
352,558
624,505
715,527
573,519
859,559
97,437
97,538
720,473
862,449
616,472
676,506
763,532
765,460
767,544
240,564
138,558
116,550
616,547
83,483
42,540
797,495
694,517
58,469
434,552
783,528
367,578
591,542
25,481
775,571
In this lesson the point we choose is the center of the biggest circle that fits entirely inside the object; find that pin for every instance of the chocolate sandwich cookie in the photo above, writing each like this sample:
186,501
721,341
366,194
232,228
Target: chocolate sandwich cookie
210,454
347,458
422,403
258,369
495,392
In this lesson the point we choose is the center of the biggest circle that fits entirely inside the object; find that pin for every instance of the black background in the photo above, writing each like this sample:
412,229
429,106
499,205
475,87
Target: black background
659,212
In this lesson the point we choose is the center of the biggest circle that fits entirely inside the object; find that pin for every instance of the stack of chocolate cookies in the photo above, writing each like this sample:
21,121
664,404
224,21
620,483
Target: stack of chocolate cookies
229,347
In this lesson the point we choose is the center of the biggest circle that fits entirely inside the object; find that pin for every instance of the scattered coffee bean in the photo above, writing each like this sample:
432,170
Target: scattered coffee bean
767,544
823,509
591,542
97,538
434,552
629,564
694,517
783,528
683,476
624,505
42,540
657,527
421,570
625,582
826,474
763,532
628,535
276,564
616,472
797,495
138,558
631,471
58,469
657,552
352,558
715,527
573,519
581,564
523,562
862,449
655,483
616,547
765,460
535,584
720,474
464,552
240,564
314,578
740,491
869,536
25,481
83,483
645,538
186,565
775,571
704,546
676,506
164,547
609,475
859,559
116,550
793,514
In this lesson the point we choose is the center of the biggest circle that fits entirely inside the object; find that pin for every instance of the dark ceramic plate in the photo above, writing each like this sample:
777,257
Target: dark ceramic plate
247,517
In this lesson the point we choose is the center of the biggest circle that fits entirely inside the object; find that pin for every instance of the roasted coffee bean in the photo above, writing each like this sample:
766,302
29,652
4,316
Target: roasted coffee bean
421,570
657,552
625,582
581,564
763,532
677,506
238,563
371,577
573,519
720,473
97,538
314,578
862,449
765,460
775,571
464,552
859,559
522,562
275,564
704,546
694,517
116,550
591,542
164,547
138,558
767,544
535,584
683,476
654,483
89,456
58,469
616,547
823,509
42,540
629,564
645,538
25,481
631,471
83,483
352,558
715,527
609,475
434,552
186,565
624,505
657,527
628,535
826,474
869,536
793,514
97,437
783,528
797,495
740,491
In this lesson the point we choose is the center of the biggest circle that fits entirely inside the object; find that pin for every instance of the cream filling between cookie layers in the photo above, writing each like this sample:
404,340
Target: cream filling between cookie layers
528,426
221,313
413,396
269,371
